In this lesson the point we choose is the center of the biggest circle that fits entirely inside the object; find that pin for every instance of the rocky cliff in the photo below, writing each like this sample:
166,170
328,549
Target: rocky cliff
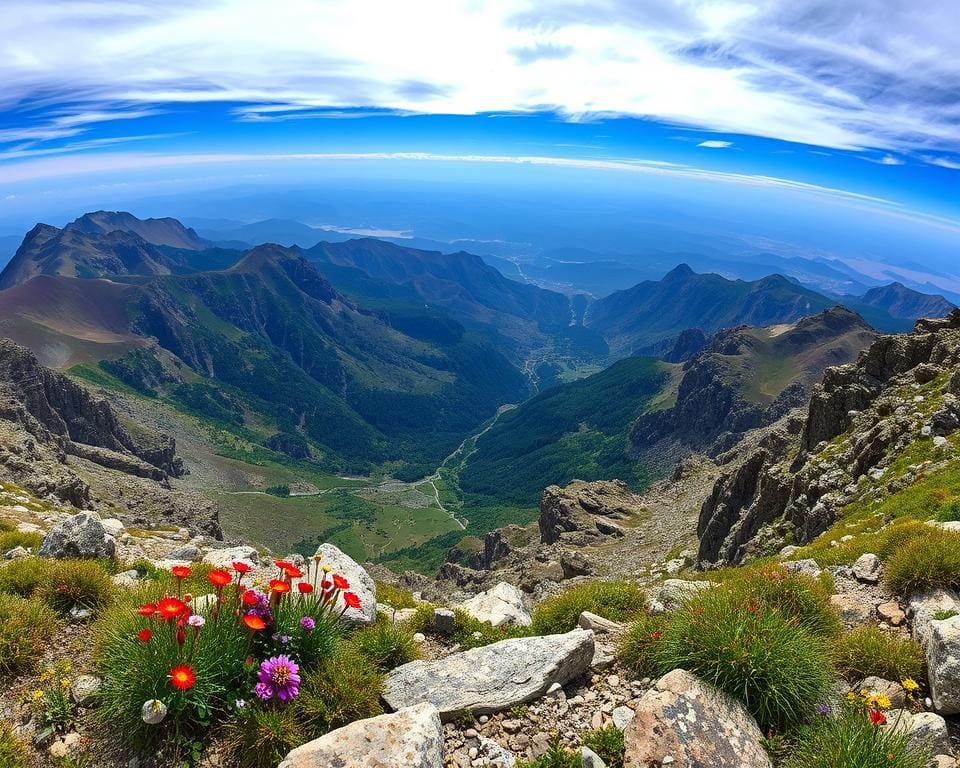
901,392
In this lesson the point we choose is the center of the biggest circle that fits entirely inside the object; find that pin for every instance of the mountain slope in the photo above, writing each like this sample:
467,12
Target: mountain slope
166,231
656,310
905,303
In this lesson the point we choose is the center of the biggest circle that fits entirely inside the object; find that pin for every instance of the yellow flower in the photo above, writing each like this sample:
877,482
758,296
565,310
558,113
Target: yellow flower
38,695
851,696
909,684
326,569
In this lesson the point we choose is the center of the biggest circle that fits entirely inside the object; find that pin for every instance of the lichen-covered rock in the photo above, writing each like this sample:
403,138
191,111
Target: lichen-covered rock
924,729
491,678
943,665
583,512
226,557
410,738
79,536
361,584
925,606
878,686
867,569
500,605
682,721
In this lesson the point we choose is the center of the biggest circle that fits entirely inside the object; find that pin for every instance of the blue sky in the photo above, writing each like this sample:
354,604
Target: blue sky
857,101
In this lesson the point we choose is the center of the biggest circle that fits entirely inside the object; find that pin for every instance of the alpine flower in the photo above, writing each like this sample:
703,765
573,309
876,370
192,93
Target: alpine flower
909,685
308,623
144,635
250,597
171,607
281,675
279,586
254,622
180,571
305,587
351,600
263,691
242,567
182,677
877,717
196,621
283,564
340,583
147,609
219,579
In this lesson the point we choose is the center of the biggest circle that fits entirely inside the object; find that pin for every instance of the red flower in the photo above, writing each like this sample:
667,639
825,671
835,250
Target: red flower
877,717
305,587
249,597
180,571
351,600
279,586
144,635
655,635
147,609
182,677
254,622
340,583
241,567
283,564
219,578
293,572
170,608
181,636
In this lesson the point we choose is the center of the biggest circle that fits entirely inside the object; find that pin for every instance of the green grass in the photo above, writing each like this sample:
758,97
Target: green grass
926,562
867,651
615,600
13,752
26,626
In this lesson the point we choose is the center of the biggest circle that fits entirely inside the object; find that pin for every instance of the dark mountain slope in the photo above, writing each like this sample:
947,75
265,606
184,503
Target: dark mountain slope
905,303
166,231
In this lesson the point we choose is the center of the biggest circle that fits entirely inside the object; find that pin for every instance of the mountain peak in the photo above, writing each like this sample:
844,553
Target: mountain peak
166,231
680,272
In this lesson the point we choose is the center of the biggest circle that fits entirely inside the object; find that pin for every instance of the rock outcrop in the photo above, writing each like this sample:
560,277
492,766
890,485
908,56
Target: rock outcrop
80,536
491,678
361,584
584,512
501,605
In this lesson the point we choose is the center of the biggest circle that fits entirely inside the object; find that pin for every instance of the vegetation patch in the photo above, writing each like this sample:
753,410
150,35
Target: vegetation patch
26,626
926,562
619,601
867,651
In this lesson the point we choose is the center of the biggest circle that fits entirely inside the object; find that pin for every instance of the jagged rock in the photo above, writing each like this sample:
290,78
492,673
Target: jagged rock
925,729
583,512
867,569
943,665
360,582
574,564
924,606
501,605
444,621
81,535
409,738
491,678
684,722
590,759
622,716
852,609
880,687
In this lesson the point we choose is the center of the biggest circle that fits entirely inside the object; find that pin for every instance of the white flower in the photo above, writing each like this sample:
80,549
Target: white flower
196,621
153,712
240,703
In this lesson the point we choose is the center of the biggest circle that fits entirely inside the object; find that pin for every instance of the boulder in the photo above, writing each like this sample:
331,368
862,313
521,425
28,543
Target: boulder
924,606
808,566
925,729
81,535
500,605
877,686
85,689
361,584
583,512
852,609
943,665
226,557
491,678
590,759
599,625
892,613
410,738
444,621
682,721
17,553
867,569
189,553
113,526
673,593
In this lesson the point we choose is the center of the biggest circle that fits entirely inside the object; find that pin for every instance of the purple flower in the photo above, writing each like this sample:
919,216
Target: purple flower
282,639
262,607
308,623
263,690
280,676
823,709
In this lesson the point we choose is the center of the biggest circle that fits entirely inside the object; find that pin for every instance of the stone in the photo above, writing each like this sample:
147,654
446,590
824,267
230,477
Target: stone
65,745
501,605
599,625
113,526
187,552
944,761
924,606
924,729
694,725
622,716
491,678
16,553
943,665
79,536
361,584
807,566
85,689
852,609
444,621
590,759
673,593
892,614
80,613
127,579
226,557
940,442
867,569
496,755
409,738
788,550
877,686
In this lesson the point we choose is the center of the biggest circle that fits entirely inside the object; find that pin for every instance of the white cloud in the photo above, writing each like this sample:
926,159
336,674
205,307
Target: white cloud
858,74
943,163
714,144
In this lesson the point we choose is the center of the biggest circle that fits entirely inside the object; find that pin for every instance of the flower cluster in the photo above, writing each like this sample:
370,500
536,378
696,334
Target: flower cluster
51,702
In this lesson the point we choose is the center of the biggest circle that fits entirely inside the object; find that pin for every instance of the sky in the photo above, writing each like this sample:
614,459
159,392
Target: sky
854,103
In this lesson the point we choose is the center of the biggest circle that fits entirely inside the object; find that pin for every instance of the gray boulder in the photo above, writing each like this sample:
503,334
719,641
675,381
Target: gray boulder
943,665
925,606
79,536
807,566
491,678
673,593
500,605
590,759
682,721
867,569
925,730
226,557
410,738
360,582
189,553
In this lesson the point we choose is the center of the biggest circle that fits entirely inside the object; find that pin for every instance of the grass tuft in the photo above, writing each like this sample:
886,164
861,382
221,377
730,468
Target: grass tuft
25,628
385,646
926,562
867,651
69,583
615,600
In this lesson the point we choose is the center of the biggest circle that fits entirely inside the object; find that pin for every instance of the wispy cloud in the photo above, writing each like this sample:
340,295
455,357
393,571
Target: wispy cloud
878,74
715,144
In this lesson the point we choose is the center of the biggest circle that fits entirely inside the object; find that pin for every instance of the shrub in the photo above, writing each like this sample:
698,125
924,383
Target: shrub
927,562
385,645
799,598
13,754
340,692
396,597
637,650
556,756
778,669
258,738
608,744
614,600
898,535
25,627
51,703
13,539
868,650
67,583
850,740
468,631
22,577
